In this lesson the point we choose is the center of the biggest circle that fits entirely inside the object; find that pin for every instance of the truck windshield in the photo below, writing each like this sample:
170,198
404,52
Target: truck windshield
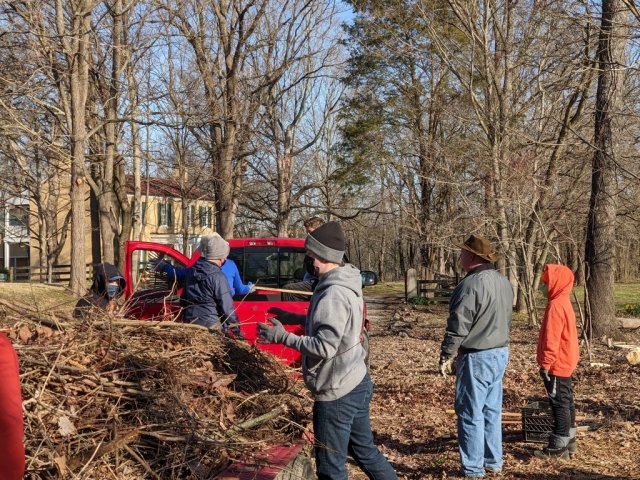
269,266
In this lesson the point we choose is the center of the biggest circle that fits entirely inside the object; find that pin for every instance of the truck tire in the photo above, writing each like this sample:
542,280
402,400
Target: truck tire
300,468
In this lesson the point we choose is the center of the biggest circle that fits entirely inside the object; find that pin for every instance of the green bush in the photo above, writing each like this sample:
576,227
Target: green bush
631,309
421,301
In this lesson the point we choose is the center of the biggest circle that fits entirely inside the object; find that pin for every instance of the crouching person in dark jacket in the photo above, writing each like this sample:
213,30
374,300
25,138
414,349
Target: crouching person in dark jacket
108,284
206,298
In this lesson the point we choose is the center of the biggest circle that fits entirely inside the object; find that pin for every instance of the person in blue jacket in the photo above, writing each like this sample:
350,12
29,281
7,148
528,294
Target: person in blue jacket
229,268
206,297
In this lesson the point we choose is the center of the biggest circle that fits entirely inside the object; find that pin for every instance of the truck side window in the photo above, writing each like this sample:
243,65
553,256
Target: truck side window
154,270
269,266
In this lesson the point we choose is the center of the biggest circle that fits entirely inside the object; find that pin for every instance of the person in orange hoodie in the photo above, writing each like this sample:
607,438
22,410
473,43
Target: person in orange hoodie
558,357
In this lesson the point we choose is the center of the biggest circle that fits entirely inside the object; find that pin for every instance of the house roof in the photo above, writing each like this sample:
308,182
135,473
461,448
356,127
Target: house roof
168,187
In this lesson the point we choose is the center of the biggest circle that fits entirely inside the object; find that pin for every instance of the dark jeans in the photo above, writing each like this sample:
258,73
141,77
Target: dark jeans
342,427
560,395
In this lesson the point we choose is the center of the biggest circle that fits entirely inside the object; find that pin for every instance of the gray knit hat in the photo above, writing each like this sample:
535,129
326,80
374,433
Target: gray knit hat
327,242
213,247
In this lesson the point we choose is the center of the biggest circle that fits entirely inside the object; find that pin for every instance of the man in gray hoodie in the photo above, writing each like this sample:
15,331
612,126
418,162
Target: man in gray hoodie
333,361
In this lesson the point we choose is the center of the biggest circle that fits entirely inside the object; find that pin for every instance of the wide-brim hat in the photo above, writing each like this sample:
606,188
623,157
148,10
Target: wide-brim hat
481,247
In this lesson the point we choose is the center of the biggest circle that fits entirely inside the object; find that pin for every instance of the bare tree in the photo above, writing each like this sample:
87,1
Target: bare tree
226,37
600,248
60,34
298,104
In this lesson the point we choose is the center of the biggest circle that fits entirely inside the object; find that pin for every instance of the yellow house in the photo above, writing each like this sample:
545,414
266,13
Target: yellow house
162,214
161,221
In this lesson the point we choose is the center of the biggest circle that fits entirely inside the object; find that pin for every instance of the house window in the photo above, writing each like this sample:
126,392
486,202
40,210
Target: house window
17,217
165,215
205,217
143,212
191,214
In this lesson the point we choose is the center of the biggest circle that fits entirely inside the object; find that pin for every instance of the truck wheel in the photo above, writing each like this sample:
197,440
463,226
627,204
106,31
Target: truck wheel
300,468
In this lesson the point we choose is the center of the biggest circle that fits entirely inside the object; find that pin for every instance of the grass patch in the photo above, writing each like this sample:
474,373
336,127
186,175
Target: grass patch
627,293
624,293
385,288
38,296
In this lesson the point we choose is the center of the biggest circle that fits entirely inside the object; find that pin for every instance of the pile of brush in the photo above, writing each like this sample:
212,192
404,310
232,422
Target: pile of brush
127,399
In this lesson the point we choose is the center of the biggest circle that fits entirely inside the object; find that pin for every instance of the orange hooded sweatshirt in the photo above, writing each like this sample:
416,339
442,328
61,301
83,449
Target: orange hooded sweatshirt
558,339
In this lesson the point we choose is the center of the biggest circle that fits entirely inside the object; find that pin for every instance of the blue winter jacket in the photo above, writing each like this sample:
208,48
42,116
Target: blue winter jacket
230,269
206,298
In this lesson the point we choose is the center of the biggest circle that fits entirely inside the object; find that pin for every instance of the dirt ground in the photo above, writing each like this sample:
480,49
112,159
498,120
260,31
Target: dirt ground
409,406
412,428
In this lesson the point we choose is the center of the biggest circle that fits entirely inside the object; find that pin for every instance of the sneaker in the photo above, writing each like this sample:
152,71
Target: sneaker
547,453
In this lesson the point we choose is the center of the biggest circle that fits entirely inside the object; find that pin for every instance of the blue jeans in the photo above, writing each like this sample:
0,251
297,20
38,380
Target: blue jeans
342,427
479,408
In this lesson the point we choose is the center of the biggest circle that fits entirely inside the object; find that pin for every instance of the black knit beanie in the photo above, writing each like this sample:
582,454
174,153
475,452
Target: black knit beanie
327,242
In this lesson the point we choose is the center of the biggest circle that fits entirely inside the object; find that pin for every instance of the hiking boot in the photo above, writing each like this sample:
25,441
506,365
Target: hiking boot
558,448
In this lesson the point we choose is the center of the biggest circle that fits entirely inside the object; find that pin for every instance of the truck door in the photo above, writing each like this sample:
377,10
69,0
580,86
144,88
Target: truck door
153,289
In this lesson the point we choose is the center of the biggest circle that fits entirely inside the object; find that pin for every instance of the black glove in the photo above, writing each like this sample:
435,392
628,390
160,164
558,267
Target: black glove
285,317
237,334
544,374
446,364
233,331
275,334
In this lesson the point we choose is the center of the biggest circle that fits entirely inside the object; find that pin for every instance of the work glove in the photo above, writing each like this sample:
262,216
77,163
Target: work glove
446,365
285,317
544,374
252,288
268,334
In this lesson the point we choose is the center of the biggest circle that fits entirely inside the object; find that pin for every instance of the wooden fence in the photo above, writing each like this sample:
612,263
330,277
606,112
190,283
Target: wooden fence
437,289
59,274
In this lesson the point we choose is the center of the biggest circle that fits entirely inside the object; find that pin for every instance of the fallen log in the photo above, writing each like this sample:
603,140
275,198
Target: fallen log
507,416
629,323
85,458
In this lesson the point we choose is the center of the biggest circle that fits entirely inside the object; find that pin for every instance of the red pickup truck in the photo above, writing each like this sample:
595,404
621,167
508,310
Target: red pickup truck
268,263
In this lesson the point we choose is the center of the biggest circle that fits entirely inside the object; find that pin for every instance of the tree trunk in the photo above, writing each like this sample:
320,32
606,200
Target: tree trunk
94,218
285,175
79,82
600,252
125,210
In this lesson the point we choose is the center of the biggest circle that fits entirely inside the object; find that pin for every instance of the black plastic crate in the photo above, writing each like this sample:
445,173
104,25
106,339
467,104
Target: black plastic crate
537,422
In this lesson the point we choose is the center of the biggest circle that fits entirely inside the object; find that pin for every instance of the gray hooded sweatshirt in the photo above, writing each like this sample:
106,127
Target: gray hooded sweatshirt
332,354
